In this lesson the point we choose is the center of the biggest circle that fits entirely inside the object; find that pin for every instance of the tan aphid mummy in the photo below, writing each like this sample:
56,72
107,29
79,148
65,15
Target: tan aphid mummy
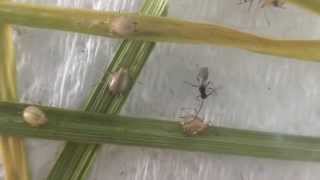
273,3
123,25
34,116
119,81
194,125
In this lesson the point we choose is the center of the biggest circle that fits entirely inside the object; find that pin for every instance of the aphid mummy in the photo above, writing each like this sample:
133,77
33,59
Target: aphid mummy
194,125
34,116
123,25
119,81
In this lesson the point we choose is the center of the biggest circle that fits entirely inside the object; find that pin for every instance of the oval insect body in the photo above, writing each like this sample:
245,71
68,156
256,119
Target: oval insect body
203,92
194,125
34,116
123,25
119,81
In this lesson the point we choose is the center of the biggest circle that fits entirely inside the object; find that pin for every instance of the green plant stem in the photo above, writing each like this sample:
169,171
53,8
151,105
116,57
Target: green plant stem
76,159
155,29
96,128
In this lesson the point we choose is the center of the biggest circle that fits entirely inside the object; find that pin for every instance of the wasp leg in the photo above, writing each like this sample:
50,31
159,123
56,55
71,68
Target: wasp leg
213,91
193,85
183,109
198,98
209,83
199,109
212,88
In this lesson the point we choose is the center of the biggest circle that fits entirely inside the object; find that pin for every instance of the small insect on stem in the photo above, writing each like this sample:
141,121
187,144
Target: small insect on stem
34,116
119,81
203,84
123,25
194,125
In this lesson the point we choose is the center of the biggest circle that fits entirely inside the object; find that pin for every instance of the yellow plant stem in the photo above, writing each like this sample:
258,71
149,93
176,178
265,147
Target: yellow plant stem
312,5
13,150
150,28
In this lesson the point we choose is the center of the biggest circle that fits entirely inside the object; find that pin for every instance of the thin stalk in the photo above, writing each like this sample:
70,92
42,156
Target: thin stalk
76,159
155,29
13,150
85,127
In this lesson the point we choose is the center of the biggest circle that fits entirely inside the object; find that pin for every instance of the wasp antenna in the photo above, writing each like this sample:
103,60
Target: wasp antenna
193,85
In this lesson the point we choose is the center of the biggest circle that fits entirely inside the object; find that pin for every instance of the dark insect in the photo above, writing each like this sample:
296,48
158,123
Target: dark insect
203,84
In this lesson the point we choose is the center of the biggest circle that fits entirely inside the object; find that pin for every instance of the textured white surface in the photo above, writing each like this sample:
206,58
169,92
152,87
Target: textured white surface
256,91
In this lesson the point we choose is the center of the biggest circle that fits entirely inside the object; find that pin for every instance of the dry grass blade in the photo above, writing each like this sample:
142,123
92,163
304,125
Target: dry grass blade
13,150
156,29
311,5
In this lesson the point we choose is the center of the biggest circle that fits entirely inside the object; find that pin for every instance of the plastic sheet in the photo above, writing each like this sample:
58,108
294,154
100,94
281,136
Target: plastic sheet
255,91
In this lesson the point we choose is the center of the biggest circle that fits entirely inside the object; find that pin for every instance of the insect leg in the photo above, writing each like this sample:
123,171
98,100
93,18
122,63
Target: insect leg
213,91
199,109
193,85
208,85
198,98
193,109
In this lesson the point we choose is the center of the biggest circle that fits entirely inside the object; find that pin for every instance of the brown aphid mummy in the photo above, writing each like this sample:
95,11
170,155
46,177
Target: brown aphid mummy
119,81
273,3
194,125
34,116
123,25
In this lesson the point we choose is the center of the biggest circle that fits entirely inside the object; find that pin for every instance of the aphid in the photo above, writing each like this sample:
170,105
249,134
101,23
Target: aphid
34,116
194,125
196,110
123,25
119,81
203,84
